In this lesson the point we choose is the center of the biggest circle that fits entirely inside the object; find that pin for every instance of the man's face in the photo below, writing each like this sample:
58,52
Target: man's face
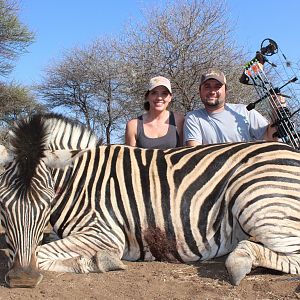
212,94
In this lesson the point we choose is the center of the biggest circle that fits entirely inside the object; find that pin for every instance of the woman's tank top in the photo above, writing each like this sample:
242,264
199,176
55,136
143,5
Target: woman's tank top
170,140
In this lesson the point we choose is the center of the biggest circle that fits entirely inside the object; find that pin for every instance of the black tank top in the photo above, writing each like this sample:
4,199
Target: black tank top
170,140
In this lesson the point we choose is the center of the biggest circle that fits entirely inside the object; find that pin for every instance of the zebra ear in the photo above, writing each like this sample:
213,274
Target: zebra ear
6,156
59,159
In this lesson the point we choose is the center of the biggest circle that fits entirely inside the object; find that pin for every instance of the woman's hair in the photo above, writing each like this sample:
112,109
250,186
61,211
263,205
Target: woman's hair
146,105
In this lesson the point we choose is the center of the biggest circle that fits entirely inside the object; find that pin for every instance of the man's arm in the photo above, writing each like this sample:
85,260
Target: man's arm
191,131
270,134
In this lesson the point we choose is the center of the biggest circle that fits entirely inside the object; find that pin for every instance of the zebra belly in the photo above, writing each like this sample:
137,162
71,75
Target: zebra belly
161,248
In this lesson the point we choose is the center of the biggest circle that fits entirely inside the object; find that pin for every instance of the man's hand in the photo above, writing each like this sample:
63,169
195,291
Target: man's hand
271,134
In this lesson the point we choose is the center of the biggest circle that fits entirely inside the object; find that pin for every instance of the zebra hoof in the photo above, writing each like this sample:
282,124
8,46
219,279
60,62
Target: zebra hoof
108,262
238,265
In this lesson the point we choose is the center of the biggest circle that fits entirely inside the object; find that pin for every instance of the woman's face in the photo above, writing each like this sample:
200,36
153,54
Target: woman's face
159,98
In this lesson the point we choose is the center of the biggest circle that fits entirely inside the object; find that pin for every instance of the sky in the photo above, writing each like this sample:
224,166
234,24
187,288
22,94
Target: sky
61,25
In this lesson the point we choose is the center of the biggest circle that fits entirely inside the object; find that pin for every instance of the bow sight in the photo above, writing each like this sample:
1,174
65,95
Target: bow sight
268,49
279,110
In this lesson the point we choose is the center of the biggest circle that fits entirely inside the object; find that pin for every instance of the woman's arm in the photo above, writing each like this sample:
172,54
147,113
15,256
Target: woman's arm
130,133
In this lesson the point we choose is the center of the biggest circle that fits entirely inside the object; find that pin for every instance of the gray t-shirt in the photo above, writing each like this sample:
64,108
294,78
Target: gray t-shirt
234,124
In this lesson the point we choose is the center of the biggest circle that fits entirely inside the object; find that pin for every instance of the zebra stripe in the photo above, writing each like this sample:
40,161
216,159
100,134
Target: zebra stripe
141,190
184,204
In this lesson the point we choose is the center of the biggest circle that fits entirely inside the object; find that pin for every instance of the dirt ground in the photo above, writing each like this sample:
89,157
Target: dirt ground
156,280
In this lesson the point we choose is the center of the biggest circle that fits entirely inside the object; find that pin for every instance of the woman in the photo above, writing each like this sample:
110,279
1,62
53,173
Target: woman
158,128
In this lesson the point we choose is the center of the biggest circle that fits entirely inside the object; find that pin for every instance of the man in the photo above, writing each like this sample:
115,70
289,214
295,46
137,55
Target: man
221,122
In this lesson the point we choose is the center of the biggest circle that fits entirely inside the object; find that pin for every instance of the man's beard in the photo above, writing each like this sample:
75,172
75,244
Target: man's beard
213,103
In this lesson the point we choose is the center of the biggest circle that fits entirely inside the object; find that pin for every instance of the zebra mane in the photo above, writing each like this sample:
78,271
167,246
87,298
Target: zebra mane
30,137
65,133
28,142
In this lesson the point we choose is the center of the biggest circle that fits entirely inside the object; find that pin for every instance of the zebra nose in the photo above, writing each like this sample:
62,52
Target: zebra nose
26,278
19,276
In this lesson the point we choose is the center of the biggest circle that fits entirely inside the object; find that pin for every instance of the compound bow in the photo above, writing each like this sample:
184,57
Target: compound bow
281,112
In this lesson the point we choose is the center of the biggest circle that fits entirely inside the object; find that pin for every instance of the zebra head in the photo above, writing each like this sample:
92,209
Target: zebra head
27,191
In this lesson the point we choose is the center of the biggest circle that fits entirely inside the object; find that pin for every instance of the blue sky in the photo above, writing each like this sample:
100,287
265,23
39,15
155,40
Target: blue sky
64,24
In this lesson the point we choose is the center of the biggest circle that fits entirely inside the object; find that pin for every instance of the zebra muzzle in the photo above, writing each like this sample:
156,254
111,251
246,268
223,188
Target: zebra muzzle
26,277
23,278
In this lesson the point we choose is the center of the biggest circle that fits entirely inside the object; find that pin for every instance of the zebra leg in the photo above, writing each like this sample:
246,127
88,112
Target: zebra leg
248,255
239,263
108,262
71,255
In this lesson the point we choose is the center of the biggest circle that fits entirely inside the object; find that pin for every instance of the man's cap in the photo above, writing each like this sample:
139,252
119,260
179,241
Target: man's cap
213,74
159,80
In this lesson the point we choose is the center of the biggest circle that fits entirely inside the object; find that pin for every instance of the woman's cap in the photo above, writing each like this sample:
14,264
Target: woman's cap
213,74
159,80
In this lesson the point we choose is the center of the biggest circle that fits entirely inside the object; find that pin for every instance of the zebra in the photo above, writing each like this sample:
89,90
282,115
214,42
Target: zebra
118,203
33,134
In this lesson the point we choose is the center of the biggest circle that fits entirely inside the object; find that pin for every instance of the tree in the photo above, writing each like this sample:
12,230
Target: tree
87,81
66,84
14,36
180,41
104,84
15,102
105,69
